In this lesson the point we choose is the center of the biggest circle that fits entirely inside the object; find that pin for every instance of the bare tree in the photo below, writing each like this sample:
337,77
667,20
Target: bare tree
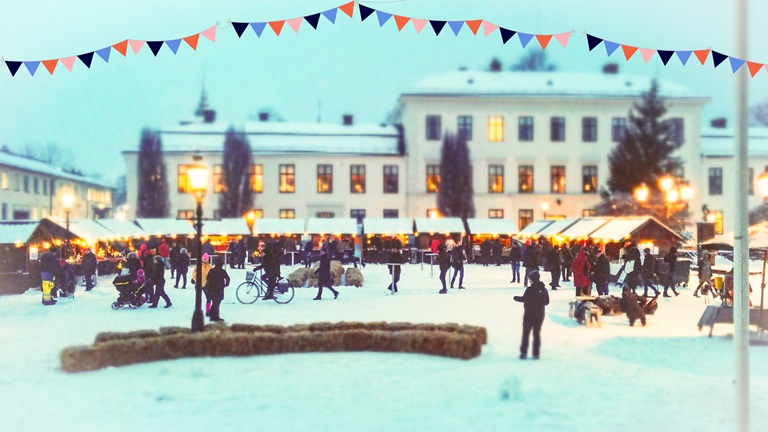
758,114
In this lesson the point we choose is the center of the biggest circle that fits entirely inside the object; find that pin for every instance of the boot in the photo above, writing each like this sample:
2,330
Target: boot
317,298
443,291
666,294
153,305
696,293
335,295
167,305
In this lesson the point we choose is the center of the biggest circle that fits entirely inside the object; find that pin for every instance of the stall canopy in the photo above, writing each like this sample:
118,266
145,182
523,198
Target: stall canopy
386,226
626,228
86,229
331,226
278,226
583,228
492,226
439,225
166,227
226,227
122,228
532,230
758,238
555,228
16,232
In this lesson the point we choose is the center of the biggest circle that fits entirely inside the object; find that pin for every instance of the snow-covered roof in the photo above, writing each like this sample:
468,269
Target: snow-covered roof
556,227
122,227
719,142
492,226
166,226
32,165
554,84
758,237
278,226
623,228
226,227
584,227
86,229
439,225
387,226
532,230
331,226
15,232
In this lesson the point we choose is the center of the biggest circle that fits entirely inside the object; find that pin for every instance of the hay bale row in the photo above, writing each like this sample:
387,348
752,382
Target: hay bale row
609,304
353,277
298,277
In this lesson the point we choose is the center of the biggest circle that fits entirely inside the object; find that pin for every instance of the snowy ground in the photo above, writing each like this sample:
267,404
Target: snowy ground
667,376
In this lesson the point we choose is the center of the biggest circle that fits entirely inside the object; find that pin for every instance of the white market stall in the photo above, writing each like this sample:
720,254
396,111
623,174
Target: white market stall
532,230
583,228
552,231
166,227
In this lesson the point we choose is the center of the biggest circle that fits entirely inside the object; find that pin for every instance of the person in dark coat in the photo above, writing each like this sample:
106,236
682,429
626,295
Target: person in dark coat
88,267
669,279
149,267
601,272
535,299
457,262
207,248
394,270
485,252
65,278
566,258
496,250
48,269
182,264
271,266
632,305
173,256
158,281
530,261
233,258
515,256
218,279
132,264
308,248
444,262
553,262
242,253
633,277
648,272
324,277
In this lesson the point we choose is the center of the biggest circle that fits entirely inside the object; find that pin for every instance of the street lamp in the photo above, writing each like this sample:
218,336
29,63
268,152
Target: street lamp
544,208
198,179
68,202
641,193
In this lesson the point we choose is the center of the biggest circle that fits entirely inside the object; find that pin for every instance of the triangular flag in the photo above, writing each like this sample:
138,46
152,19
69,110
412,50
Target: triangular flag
330,14
173,45
437,26
68,62
544,40
86,58
50,65
456,26
32,66
348,8
665,55
718,58
121,47
524,38
702,55
104,53
754,68
313,20
239,28
401,21
683,56
383,17
647,53
506,34
593,41
610,47
365,11
155,46
418,24
277,26
563,38
136,45
258,28
489,28
474,25
295,23
735,63
13,66
210,33
629,51
192,40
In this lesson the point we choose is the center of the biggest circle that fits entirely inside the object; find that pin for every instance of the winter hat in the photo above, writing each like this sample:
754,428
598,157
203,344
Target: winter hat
143,246
534,276
206,258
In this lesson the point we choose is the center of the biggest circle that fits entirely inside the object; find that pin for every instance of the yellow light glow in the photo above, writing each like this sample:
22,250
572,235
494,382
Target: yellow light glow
642,192
686,191
666,182
68,201
711,217
672,196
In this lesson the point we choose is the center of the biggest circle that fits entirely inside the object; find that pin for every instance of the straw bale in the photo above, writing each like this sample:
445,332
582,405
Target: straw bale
353,277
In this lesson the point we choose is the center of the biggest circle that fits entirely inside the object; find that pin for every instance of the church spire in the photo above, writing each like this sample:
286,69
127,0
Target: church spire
203,110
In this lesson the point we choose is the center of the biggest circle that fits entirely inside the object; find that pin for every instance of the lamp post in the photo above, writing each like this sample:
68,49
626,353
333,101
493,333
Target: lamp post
673,193
198,179
68,202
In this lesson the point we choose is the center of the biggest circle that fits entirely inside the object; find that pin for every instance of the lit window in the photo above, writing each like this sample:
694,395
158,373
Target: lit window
433,213
589,179
219,184
524,218
185,214
324,215
525,179
495,178
182,179
357,179
495,128
391,181
287,179
4,180
325,179
287,214
718,217
257,214
256,175
589,213
496,214
558,179
433,178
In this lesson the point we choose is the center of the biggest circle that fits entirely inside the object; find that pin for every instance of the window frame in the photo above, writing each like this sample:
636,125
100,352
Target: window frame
325,177
433,129
287,213
394,173
589,172
495,213
464,127
557,179
522,172
589,129
525,128
524,215
557,129
715,182
435,175
495,128
286,178
256,177
357,178
496,177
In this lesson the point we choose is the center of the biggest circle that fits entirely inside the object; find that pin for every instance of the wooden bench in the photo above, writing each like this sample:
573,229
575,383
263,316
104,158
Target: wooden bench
595,313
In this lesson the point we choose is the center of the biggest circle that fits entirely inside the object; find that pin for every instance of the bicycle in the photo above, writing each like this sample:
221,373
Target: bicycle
254,288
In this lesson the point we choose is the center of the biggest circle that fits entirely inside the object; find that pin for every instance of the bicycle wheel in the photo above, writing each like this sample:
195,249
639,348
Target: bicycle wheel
284,295
249,292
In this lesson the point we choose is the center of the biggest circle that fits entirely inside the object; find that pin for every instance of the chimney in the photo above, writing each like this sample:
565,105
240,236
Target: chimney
263,116
5,149
209,116
611,69
719,123
346,119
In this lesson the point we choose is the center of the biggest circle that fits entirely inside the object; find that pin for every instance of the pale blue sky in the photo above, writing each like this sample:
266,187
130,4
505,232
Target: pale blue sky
352,67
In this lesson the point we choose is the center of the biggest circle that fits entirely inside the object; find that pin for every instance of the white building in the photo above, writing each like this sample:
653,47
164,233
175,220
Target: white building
31,190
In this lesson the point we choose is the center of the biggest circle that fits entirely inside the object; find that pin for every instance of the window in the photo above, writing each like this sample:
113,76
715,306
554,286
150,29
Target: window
287,180
181,179
495,128
36,186
185,214
715,181
496,214
557,174
45,187
524,218
5,211
433,213
358,214
433,178
26,184
589,179
257,214
589,213
357,179
465,127
557,129
751,187
325,179
391,181
256,176
217,214
718,215
589,129
287,214
525,179
53,188
495,178
219,184
618,128
433,127
17,182
391,213
676,130
324,215
525,128
4,181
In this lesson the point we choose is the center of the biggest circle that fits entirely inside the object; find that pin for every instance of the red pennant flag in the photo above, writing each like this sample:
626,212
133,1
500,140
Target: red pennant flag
754,68
629,51
277,26
121,47
474,25
348,8
702,55
543,40
51,65
192,40
401,21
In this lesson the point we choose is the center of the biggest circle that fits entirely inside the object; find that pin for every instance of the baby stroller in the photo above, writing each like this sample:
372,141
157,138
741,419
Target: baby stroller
131,291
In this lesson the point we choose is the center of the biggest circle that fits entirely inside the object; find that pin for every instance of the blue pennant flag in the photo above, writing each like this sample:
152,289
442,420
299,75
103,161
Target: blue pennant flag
665,55
524,38
86,58
173,45
718,58
313,20
610,47
383,17
104,53
506,34
683,56
155,46
331,15
258,28
735,63
365,12
437,26
456,26
240,28
32,66
13,66
593,41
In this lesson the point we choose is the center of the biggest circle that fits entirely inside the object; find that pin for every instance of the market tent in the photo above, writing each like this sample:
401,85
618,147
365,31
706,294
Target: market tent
439,225
387,226
532,230
331,226
226,227
86,229
492,226
583,228
628,228
16,232
278,226
557,227
122,228
166,227
758,238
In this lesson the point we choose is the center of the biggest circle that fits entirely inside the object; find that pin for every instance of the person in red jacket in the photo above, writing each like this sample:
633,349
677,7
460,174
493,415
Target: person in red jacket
164,251
581,268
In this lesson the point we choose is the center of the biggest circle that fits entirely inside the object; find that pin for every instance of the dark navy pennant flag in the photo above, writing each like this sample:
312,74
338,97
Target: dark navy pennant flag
593,41
173,45
610,47
258,28
239,28
86,58
313,20
104,53
32,66
13,66
506,34
456,26
155,46
683,56
665,55
718,58
365,12
437,26
524,38
330,14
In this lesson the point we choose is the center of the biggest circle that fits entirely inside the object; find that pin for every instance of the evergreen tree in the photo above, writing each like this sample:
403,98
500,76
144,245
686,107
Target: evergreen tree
495,65
152,178
455,197
535,61
236,198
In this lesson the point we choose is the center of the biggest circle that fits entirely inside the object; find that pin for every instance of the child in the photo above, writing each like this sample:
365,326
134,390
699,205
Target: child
535,299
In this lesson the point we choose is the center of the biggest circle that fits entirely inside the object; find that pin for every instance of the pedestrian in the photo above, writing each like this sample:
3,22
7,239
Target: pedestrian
270,263
496,250
164,251
158,281
515,256
566,259
444,261
581,269
357,254
205,267
65,279
553,262
48,270
534,300
148,265
173,256
242,252
633,266
648,273
669,279
88,267
457,262
218,279
434,244
308,248
530,260
207,248
232,249
324,277
705,274
133,263
601,272
396,258
485,252
182,263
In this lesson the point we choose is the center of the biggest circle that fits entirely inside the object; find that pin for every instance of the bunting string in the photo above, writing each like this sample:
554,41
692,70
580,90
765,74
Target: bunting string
475,26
